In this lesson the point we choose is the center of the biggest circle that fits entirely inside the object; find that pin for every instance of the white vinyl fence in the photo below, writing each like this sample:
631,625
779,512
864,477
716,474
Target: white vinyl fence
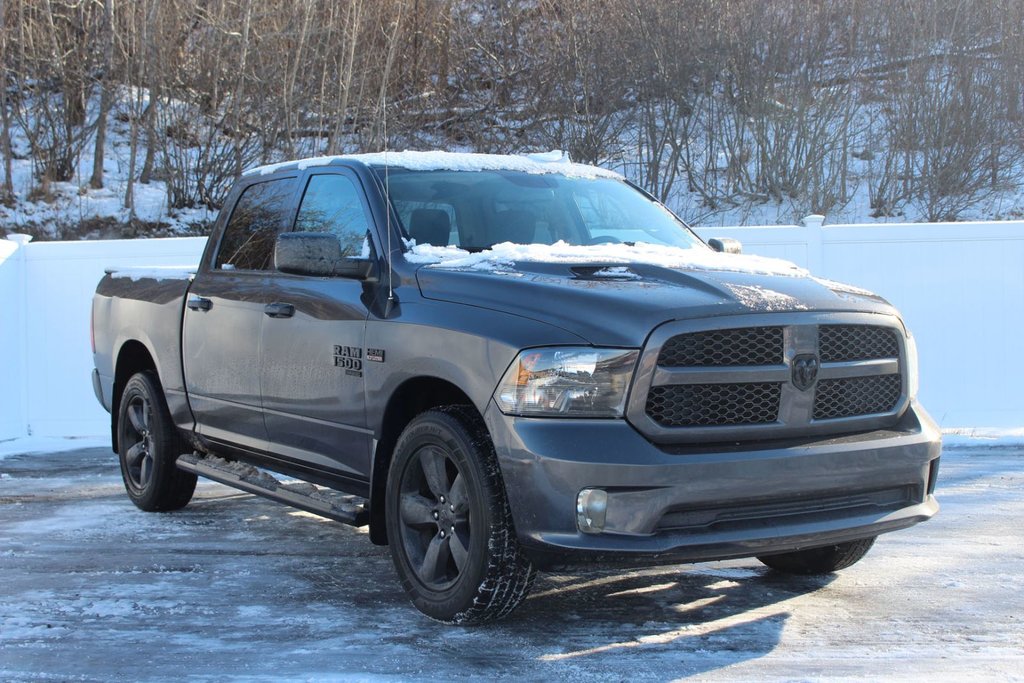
960,287
44,339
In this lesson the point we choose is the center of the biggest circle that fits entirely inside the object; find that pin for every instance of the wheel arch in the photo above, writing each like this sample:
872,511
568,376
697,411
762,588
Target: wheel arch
411,398
133,357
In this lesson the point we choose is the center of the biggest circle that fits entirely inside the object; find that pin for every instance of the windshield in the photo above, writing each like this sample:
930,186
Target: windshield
475,210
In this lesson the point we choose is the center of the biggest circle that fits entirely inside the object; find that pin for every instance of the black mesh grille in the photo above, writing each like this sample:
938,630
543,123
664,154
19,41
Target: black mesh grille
856,396
743,346
704,405
838,343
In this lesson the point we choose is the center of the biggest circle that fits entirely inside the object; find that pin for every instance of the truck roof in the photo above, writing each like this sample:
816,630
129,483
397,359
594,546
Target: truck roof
550,162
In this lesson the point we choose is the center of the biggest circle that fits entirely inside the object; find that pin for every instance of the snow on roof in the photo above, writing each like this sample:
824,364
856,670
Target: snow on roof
136,273
550,162
503,255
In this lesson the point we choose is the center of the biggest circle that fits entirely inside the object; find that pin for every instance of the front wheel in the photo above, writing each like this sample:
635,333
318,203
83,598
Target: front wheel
148,447
449,524
824,560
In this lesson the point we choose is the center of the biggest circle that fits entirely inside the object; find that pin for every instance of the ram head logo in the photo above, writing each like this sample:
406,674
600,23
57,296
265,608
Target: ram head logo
805,371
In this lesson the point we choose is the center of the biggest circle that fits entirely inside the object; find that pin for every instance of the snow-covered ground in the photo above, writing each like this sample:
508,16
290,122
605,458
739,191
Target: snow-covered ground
238,588
72,202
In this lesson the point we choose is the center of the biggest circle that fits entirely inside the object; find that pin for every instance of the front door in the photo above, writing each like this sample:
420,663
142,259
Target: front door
312,346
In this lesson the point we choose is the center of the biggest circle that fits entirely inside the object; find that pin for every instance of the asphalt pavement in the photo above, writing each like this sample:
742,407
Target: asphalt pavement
234,587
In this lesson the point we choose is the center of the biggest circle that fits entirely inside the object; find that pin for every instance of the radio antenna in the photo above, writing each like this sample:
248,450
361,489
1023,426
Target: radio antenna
387,175
387,201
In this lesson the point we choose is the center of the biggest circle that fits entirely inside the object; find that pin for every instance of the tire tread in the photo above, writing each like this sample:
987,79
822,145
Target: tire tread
824,560
509,575
172,488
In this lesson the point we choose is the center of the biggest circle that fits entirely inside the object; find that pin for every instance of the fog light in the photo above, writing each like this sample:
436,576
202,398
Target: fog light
591,507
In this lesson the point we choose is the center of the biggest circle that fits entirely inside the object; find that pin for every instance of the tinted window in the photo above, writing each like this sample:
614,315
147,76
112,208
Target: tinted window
332,203
258,218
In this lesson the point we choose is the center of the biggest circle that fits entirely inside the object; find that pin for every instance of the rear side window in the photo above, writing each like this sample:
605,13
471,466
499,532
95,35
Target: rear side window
258,218
333,204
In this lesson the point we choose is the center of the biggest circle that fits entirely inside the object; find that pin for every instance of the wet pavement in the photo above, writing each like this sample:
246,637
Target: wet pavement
234,587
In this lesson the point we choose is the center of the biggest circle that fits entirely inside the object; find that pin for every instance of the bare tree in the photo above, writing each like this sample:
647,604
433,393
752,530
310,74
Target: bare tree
106,86
7,192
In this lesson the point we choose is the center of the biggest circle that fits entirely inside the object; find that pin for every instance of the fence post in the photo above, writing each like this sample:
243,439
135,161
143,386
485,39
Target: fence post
815,243
21,322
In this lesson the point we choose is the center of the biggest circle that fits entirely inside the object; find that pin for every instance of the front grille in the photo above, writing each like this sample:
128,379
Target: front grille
853,396
692,405
740,381
741,346
838,343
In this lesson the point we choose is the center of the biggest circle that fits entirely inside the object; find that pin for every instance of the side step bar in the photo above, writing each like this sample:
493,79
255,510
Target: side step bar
320,501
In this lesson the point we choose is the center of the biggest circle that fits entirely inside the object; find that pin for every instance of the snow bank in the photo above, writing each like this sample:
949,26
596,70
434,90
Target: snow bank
45,444
505,254
981,437
553,162
136,273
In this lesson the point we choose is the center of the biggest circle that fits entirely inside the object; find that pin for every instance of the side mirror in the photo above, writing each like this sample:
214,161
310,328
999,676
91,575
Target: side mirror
317,253
725,245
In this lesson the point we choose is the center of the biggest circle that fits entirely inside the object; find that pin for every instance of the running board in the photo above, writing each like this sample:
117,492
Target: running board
302,495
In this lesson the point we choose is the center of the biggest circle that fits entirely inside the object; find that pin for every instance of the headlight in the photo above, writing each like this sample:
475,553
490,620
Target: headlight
567,382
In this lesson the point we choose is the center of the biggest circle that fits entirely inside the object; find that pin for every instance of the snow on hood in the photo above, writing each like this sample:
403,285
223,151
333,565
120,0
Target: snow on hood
502,256
136,273
552,162
843,288
758,298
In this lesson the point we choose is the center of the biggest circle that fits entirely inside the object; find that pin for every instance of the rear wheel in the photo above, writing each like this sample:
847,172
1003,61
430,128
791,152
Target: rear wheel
824,560
148,447
449,525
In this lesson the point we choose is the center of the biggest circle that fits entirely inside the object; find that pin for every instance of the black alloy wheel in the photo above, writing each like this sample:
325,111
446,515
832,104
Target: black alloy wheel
436,524
448,521
148,446
139,437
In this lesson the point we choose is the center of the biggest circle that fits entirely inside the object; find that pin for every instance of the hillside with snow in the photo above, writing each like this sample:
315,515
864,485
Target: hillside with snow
740,113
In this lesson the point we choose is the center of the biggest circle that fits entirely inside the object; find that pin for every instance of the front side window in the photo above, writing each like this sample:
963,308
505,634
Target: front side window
333,204
258,218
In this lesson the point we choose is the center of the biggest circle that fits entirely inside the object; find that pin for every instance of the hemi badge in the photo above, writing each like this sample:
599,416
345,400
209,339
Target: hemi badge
375,355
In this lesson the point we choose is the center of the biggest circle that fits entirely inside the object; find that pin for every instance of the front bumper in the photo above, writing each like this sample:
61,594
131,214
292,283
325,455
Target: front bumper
709,502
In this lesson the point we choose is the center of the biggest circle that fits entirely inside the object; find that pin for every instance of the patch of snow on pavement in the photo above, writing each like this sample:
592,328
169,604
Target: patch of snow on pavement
505,254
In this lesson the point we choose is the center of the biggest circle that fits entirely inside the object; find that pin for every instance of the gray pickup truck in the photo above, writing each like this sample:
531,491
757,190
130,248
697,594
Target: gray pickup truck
507,364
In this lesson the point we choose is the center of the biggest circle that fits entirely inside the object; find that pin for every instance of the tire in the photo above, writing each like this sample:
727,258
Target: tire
148,447
824,560
459,560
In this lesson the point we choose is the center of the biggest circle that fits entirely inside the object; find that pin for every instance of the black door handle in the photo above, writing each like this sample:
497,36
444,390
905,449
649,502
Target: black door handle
199,303
279,310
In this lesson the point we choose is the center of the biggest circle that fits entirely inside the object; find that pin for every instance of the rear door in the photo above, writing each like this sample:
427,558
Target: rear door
224,314
312,352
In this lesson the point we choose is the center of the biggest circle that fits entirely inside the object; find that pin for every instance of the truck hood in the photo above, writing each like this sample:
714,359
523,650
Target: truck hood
617,305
